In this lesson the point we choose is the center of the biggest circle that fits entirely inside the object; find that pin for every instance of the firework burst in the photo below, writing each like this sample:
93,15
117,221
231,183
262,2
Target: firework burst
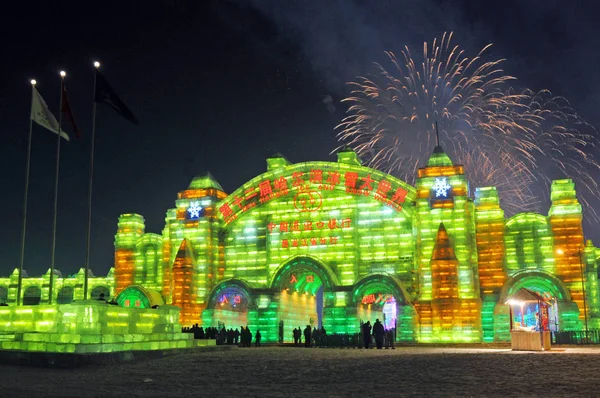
505,138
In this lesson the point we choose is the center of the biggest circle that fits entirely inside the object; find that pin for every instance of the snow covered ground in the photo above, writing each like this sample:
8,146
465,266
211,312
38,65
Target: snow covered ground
318,372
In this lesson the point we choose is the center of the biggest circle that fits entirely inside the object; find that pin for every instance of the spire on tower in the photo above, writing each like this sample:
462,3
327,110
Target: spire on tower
438,148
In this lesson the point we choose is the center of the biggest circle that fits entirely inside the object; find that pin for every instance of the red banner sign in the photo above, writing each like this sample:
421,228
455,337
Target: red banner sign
309,225
308,187
378,298
305,242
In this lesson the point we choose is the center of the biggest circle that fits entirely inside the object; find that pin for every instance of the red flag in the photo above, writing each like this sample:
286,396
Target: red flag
68,112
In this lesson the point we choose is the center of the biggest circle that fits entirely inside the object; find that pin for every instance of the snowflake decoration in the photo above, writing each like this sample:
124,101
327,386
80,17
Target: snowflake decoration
441,187
194,209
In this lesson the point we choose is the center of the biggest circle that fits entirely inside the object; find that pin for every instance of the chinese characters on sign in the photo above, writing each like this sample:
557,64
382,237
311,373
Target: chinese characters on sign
308,188
233,300
237,299
365,185
309,225
137,303
378,298
305,242
309,278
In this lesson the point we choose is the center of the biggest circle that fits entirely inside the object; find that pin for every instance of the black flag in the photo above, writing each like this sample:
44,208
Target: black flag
106,95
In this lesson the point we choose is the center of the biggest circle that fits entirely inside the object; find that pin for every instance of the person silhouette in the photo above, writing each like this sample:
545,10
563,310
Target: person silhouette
367,334
249,337
257,338
379,333
307,333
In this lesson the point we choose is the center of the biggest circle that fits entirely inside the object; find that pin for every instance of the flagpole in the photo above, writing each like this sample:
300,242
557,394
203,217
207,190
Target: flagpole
62,82
89,221
20,283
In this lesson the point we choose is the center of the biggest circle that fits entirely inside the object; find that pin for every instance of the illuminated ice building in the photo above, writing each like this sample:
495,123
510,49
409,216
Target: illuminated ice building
337,243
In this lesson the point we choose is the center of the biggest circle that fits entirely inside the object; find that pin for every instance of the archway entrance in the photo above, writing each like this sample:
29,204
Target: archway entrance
300,286
382,306
231,309
3,295
228,305
65,295
100,293
382,297
563,312
135,296
32,296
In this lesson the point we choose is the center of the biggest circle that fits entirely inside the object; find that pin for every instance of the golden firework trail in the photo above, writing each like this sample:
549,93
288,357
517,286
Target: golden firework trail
515,140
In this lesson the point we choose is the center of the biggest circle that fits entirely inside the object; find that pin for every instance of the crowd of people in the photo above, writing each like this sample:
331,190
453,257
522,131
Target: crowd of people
370,336
312,337
378,333
241,337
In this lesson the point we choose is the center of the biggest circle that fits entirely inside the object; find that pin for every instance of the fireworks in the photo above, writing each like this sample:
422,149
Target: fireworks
505,138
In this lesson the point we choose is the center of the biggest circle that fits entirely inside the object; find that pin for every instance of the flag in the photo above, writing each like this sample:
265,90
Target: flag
42,115
104,94
66,109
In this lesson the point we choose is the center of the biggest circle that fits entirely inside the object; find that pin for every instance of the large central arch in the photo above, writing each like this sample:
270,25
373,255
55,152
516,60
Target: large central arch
301,286
333,211
303,234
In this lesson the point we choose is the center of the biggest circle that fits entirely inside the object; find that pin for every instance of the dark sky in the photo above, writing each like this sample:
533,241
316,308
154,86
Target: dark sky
219,86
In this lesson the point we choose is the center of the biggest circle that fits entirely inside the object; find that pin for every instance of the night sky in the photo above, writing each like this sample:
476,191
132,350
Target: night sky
221,85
